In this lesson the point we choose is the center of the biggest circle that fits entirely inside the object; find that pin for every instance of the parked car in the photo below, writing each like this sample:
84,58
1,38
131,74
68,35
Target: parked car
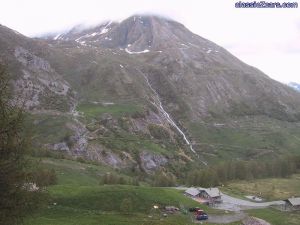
202,216
199,212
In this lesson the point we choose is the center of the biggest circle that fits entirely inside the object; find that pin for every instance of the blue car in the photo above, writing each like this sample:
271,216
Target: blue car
203,216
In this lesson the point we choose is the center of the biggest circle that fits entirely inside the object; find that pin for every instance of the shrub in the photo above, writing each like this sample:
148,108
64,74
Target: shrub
164,180
44,177
126,206
158,131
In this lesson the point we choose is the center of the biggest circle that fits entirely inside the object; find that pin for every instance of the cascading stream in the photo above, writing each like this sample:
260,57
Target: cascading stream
169,119
82,132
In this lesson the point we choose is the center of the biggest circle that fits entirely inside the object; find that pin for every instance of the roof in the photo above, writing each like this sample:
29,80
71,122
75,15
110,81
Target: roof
212,192
192,191
294,201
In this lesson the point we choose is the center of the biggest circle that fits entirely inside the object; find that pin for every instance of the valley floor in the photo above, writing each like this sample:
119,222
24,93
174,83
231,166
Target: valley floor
79,199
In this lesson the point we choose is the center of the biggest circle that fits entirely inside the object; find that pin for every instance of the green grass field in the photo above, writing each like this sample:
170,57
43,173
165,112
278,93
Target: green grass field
48,128
276,217
117,110
64,216
270,189
78,199
75,173
101,205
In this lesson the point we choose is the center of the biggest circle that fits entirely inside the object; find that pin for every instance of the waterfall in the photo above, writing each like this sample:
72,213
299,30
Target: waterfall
168,117
80,130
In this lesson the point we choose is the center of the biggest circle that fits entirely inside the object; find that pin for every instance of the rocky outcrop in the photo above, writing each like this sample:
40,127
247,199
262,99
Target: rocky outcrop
254,221
62,146
39,85
96,152
152,161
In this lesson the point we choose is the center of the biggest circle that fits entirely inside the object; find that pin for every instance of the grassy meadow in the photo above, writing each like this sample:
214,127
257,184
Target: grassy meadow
79,199
276,217
91,110
269,189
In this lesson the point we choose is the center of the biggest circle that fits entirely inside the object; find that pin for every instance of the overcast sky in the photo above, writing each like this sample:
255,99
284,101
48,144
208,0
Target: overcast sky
268,39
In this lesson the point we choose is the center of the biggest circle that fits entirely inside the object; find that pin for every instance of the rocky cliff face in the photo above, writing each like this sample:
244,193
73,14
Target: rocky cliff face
36,82
147,93
39,83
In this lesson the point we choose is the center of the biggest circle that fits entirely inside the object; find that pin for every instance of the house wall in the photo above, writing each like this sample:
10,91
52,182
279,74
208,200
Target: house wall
217,199
289,207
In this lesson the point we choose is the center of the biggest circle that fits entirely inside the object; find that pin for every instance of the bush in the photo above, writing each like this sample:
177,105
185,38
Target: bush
44,177
158,131
81,160
138,114
48,153
164,180
126,206
124,123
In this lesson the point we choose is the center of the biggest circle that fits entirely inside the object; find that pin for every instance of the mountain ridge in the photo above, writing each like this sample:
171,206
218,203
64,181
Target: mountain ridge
146,94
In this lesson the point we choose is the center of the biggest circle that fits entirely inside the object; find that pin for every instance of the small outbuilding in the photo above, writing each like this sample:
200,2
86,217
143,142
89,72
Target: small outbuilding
292,204
192,192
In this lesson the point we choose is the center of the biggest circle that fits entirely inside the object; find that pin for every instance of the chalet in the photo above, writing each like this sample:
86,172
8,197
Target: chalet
213,195
192,192
292,204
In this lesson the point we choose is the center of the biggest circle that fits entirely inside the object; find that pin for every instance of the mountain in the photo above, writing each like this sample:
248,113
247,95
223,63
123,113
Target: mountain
192,66
146,94
294,85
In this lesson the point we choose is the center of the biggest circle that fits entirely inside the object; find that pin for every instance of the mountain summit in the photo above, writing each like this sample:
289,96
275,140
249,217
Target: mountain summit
146,94
208,77
137,33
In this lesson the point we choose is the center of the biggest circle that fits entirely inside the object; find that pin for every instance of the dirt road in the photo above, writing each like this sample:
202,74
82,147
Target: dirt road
235,204
223,219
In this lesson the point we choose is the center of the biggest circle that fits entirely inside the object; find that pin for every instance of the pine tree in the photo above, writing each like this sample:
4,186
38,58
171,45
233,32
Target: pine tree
15,198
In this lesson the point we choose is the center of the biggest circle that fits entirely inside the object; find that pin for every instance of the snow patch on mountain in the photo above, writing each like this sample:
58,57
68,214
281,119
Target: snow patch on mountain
104,30
140,52
56,37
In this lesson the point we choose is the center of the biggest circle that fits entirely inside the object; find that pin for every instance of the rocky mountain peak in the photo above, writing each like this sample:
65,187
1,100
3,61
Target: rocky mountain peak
136,34
142,33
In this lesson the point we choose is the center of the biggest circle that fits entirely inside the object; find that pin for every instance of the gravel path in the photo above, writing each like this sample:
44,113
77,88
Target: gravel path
236,204
223,219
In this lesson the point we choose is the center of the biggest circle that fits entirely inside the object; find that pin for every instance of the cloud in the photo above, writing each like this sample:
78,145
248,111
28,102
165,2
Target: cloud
265,38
